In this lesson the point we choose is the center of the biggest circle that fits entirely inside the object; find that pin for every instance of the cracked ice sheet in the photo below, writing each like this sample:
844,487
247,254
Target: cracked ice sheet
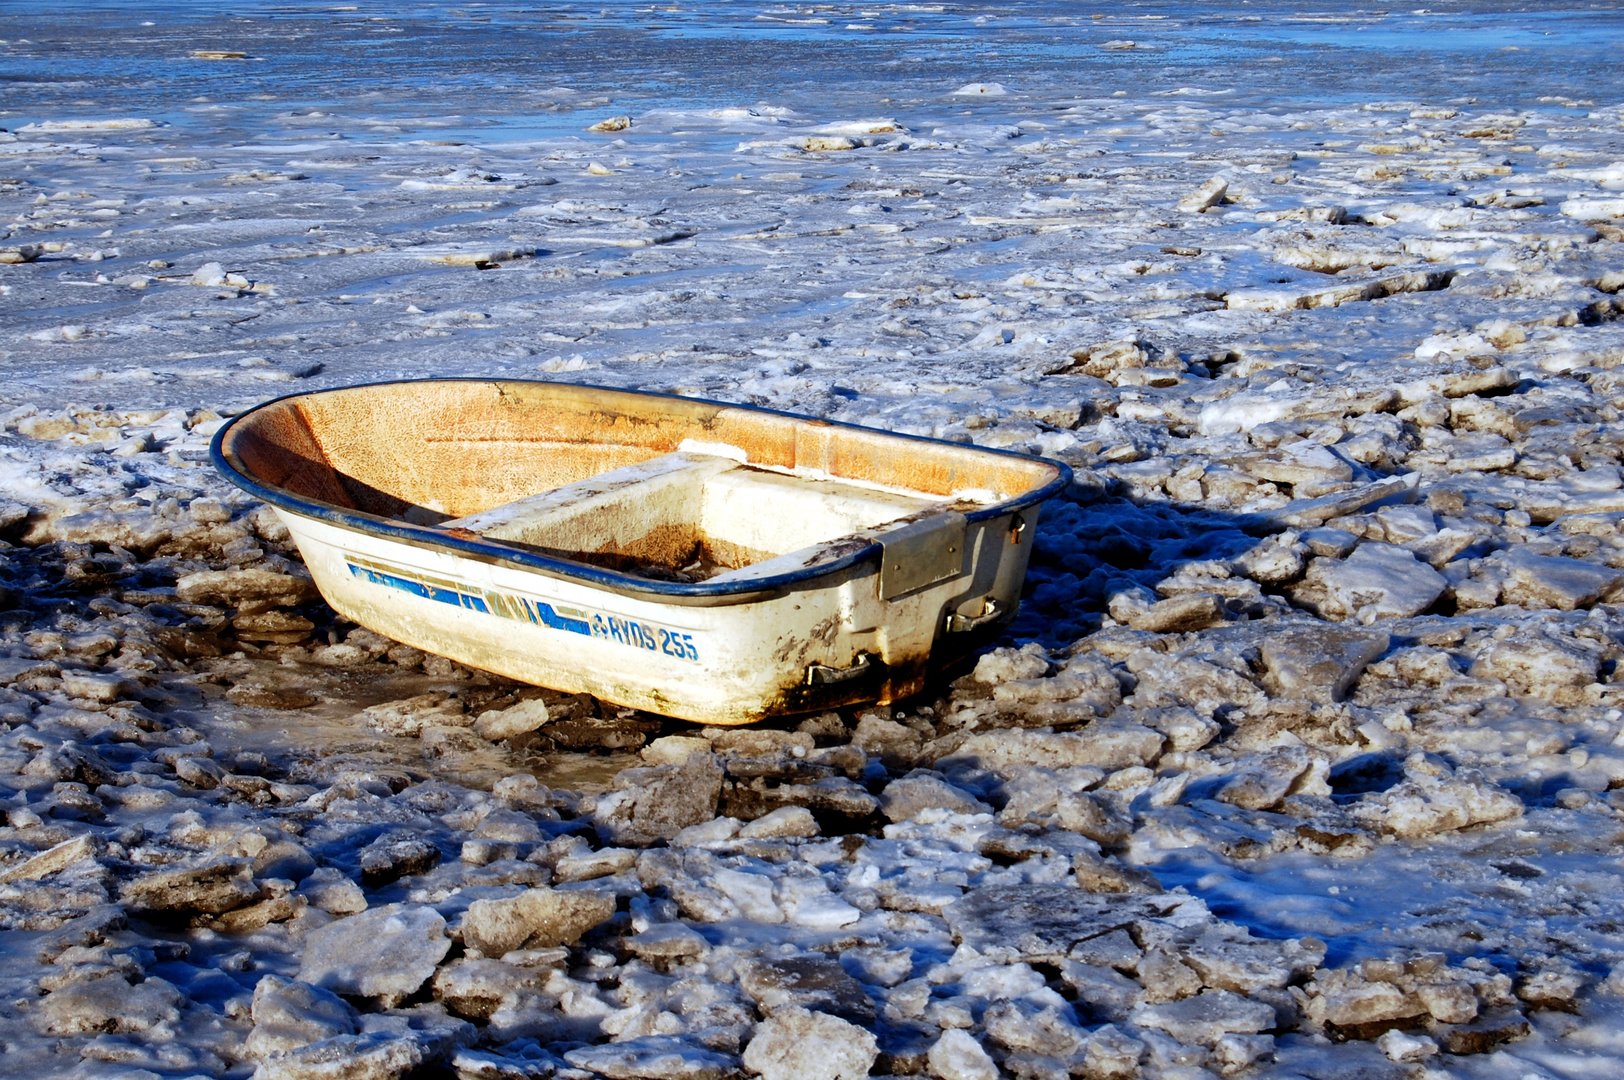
874,249
1542,887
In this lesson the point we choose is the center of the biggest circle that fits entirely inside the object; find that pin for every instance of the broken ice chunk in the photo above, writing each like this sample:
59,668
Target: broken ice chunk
1317,662
1207,195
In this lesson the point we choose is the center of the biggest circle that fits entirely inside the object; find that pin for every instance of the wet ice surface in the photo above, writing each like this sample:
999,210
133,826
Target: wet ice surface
1296,763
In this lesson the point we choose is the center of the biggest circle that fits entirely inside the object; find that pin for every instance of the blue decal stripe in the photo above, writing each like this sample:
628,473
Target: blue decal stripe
543,613
537,612
419,588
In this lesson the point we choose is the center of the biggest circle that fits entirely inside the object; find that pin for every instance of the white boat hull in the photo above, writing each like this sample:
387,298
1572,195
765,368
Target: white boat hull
711,562
729,663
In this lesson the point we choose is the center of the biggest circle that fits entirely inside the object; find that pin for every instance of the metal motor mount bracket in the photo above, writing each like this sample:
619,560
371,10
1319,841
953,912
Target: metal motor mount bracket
922,553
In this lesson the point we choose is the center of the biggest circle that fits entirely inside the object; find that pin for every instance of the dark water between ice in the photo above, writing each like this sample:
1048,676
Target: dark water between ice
419,69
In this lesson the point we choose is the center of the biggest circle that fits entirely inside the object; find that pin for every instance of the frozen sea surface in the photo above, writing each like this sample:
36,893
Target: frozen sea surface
1321,304
503,64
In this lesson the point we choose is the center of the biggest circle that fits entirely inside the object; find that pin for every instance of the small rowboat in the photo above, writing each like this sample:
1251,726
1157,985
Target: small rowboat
713,562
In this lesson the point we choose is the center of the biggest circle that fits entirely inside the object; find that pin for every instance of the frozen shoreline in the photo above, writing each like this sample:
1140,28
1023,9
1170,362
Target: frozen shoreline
1314,724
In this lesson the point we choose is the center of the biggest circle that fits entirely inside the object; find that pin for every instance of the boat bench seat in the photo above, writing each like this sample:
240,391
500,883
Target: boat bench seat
624,501
664,509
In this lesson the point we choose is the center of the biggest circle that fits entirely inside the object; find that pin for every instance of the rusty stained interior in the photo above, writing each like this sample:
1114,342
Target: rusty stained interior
445,452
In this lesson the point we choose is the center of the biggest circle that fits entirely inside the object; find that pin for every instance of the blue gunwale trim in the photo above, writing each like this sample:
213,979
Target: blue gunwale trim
500,554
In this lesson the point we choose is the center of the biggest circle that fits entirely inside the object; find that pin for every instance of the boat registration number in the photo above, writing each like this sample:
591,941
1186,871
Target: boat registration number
572,619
